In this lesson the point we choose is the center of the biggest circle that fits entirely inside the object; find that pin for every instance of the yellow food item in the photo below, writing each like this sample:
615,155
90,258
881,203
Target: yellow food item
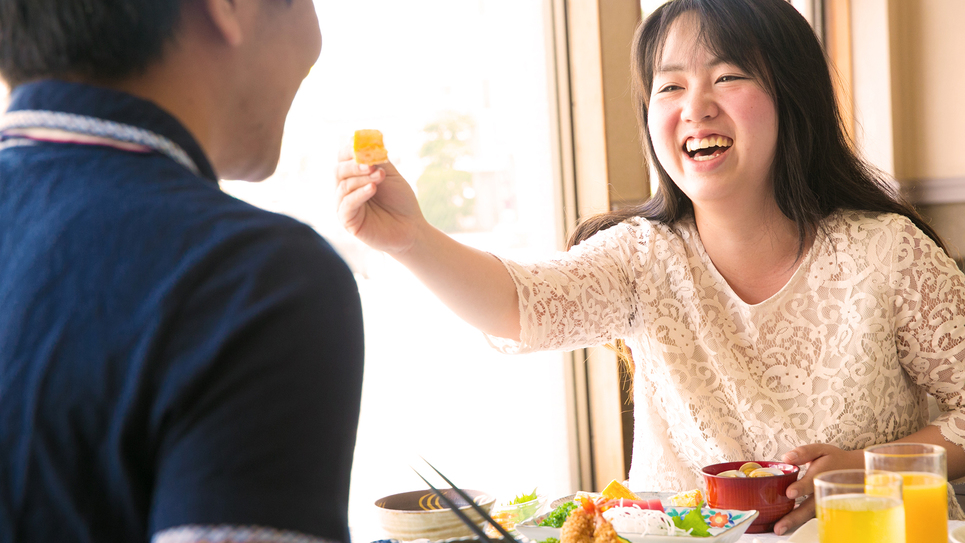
615,491
368,148
765,472
748,467
689,498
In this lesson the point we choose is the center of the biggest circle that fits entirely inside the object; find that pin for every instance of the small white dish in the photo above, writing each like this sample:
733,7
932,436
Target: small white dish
958,535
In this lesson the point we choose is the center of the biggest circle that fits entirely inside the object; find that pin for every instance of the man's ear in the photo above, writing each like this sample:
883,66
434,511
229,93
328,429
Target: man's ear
227,18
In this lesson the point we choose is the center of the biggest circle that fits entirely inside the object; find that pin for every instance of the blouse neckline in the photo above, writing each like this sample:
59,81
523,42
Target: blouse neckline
705,259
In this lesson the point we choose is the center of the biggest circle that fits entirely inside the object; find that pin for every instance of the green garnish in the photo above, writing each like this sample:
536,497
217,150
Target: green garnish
694,522
558,516
550,540
523,498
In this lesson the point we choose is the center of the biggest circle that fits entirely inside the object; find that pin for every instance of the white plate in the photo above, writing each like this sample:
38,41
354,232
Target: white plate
738,523
958,534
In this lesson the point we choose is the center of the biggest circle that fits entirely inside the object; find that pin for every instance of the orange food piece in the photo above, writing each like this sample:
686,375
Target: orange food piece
368,148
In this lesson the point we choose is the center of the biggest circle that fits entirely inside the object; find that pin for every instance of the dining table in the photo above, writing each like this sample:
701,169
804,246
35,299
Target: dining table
808,533
805,534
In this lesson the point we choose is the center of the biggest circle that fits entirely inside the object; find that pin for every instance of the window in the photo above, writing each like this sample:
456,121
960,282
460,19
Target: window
474,75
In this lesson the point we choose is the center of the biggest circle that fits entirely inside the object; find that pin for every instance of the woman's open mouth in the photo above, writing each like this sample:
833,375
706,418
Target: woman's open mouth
707,148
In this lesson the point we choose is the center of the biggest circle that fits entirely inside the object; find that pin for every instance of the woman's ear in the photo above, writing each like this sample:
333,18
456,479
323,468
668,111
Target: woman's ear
228,18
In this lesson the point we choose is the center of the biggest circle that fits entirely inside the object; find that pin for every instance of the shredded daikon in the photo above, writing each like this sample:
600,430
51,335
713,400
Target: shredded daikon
641,521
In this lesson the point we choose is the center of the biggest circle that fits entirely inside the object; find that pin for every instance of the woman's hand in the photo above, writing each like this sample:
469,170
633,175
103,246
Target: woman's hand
376,205
819,458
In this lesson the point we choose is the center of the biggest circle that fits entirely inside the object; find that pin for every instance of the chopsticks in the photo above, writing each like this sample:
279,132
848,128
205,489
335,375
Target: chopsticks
462,516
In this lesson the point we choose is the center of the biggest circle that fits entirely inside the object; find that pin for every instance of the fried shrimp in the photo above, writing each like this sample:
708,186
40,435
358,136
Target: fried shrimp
578,528
587,525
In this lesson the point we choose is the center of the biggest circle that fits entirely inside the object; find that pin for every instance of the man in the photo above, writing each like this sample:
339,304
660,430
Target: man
175,365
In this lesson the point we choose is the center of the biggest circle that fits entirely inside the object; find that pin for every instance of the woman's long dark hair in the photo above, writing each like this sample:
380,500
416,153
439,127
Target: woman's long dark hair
816,169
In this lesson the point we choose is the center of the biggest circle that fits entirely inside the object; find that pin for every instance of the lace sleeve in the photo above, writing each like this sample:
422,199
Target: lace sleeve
930,324
580,298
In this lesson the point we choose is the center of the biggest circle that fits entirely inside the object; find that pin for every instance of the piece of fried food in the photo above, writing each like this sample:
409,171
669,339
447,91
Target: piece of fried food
587,525
578,528
368,148
604,532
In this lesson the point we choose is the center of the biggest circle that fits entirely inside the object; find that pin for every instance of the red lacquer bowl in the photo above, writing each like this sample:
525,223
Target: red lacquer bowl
768,495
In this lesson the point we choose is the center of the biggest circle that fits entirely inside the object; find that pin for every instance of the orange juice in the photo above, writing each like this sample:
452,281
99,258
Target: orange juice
860,518
926,507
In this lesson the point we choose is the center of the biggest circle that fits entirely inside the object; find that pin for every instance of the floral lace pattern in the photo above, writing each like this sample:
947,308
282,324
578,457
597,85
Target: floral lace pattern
844,353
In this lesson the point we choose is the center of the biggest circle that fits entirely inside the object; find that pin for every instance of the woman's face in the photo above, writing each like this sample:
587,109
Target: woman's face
713,126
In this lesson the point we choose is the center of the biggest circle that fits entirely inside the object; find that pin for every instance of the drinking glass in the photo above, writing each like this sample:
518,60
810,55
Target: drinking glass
858,507
923,469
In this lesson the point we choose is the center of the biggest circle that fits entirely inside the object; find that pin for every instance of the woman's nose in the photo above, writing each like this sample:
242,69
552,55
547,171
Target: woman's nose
698,106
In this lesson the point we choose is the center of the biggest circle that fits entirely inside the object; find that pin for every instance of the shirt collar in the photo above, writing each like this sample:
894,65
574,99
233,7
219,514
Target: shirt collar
109,105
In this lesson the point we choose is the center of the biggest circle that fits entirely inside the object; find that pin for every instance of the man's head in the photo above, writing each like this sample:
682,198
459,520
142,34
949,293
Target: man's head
227,69
98,40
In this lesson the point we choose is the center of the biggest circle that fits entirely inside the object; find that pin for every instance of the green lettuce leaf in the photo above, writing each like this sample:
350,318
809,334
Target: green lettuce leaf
523,498
558,516
693,521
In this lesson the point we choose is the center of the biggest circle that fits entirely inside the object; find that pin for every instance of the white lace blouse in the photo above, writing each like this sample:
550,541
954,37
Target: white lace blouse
843,354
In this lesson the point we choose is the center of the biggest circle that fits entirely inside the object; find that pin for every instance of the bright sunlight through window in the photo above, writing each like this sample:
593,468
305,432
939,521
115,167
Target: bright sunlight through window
461,92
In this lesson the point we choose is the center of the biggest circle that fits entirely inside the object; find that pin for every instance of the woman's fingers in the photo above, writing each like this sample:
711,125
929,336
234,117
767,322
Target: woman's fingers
347,169
798,516
808,453
348,185
375,204
351,207
805,455
819,457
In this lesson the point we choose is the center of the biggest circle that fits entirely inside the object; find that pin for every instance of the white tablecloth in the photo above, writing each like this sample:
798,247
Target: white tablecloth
809,534
805,536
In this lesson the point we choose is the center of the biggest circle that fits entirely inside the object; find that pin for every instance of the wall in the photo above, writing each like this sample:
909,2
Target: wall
927,87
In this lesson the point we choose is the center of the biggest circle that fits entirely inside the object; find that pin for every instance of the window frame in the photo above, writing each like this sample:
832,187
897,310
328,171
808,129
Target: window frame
602,168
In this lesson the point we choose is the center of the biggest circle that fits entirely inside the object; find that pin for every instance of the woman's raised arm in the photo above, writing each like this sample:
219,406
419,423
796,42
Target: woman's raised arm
376,205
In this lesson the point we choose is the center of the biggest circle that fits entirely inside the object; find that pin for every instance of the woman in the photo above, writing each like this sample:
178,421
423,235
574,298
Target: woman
780,300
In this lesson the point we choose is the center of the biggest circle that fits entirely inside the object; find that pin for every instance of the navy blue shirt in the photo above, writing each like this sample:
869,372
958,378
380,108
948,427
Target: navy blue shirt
169,355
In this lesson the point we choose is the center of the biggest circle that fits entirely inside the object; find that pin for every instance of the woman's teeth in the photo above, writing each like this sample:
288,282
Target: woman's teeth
707,148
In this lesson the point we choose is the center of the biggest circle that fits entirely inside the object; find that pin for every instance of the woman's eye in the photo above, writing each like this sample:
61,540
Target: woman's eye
668,88
726,78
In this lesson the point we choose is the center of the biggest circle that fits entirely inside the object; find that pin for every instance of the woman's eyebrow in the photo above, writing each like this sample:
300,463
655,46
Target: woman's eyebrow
668,68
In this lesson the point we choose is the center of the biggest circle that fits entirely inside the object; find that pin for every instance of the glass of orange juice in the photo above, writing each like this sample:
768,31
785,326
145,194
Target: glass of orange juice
923,468
858,507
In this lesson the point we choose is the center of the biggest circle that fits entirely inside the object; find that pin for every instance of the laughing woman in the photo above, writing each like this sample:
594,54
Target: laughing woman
780,299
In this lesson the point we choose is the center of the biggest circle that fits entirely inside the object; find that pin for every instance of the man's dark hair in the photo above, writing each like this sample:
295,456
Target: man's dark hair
95,40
